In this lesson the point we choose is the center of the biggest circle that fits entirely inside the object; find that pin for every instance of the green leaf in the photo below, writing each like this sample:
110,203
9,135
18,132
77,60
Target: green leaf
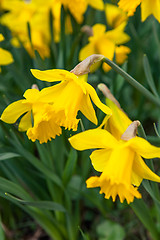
149,77
5,156
40,204
35,161
143,213
110,230
70,165
85,237
13,188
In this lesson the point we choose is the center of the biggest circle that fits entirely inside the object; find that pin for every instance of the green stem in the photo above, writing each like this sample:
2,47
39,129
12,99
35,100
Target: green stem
132,81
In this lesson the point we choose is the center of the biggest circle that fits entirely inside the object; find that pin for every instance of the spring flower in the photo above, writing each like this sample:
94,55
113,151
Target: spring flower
147,8
118,154
114,15
106,43
69,96
32,109
37,13
5,56
120,162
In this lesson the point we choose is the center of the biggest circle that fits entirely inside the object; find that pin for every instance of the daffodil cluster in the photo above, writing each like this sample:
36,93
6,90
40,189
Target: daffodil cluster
118,155
36,13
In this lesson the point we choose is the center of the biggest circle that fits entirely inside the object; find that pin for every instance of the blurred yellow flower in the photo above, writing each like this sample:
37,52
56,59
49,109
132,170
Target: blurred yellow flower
120,162
107,44
72,94
148,8
78,7
33,109
114,15
36,13
19,14
5,56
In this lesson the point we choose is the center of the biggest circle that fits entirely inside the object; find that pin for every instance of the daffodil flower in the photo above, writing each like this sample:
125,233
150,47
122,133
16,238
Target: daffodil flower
120,162
114,15
107,43
71,95
147,8
33,109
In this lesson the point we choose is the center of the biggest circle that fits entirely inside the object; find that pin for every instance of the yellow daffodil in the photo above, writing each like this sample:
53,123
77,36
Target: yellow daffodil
119,154
5,56
120,162
114,15
69,96
147,8
32,108
106,43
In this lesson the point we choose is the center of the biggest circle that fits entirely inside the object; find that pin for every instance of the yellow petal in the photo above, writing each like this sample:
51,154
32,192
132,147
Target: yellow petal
143,171
45,127
25,122
31,95
121,54
129,6
95,138
86,51
87,109
44,131
98,29
14,111
49,94
136,179
91,91
119,121
117,35
1,37
92,182
120,159
114,15
149,7
77,8
5,57
112,190
69,99
97,4
106,47
99,159
53,75
144,148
